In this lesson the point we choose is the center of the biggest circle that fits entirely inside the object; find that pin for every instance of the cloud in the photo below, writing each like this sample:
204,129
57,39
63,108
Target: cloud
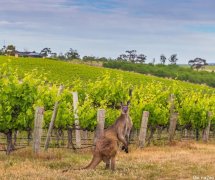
108,27
3,23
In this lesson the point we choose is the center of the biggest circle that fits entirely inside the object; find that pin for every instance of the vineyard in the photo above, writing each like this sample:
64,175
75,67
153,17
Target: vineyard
22,92
66,72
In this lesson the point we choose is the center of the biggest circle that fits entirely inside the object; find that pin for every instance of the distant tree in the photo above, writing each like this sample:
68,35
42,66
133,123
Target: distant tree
61,56
162,59
197,63
72,54
45,52
173,59
89,58
10,50
102,59
53,55
3,50
141,58
132,56
122,57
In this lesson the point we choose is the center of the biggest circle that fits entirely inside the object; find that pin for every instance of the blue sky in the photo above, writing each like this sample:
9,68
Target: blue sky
108,28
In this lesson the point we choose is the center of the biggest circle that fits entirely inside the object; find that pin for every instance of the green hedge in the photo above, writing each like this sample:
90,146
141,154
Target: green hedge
169,71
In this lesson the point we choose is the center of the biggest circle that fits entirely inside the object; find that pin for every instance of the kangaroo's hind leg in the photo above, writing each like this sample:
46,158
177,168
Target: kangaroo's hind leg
113,162
107,163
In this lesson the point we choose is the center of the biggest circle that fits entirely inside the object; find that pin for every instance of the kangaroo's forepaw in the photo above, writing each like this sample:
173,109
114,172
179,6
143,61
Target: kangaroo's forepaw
125,148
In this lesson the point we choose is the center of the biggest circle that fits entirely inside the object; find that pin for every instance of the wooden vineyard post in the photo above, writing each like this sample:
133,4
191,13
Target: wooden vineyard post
16,132
85,136
77,127
173,119
38,120
100,125
143,129
172,126
54,115
185,133
206,131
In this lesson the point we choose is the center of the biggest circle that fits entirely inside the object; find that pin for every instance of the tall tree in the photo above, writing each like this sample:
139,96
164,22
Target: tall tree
122,57
197,63
131,55
10,50
72,54
45,52
162,59
173,59
141,58
3,50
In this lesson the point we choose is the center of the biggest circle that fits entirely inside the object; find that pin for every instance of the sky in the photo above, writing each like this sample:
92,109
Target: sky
110,27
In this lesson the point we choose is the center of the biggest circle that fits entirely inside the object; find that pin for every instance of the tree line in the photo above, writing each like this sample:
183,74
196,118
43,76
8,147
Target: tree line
128,56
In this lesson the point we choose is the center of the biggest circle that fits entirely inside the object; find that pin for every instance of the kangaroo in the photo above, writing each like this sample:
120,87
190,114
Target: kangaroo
107,145
128,131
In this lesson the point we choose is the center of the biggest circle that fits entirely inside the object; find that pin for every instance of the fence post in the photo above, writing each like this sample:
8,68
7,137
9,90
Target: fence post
85,136
54,115
77,127
100,125
143,129
185,133
38,120
206,131
172,126
173,118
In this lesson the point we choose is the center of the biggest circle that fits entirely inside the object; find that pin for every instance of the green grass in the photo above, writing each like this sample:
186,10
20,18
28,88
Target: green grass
211,68
207,68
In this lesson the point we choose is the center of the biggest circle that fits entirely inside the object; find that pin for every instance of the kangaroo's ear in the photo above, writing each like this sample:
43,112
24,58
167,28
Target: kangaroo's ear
118,107
130,92
128,102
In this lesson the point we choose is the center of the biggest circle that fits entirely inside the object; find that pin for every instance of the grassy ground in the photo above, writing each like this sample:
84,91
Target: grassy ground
210,68
207,68
183,160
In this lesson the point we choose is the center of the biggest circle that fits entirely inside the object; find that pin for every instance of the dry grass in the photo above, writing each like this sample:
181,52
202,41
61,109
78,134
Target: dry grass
181,160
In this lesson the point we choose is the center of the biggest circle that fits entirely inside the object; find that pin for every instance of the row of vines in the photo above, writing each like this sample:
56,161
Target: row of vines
19,98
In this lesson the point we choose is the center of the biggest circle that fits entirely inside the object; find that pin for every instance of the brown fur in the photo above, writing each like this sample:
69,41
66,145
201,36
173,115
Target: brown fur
129,127
107,145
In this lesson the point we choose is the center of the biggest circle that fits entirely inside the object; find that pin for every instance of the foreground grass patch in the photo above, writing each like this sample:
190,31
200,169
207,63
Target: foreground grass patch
181,161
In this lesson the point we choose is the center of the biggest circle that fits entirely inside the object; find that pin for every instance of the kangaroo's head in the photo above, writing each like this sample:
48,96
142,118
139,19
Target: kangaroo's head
124,108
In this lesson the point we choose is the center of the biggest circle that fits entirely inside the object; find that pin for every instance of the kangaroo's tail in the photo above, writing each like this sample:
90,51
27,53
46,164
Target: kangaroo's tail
95,161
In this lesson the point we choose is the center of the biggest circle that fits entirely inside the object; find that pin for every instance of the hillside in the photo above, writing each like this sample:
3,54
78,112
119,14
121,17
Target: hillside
64,72
206,76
